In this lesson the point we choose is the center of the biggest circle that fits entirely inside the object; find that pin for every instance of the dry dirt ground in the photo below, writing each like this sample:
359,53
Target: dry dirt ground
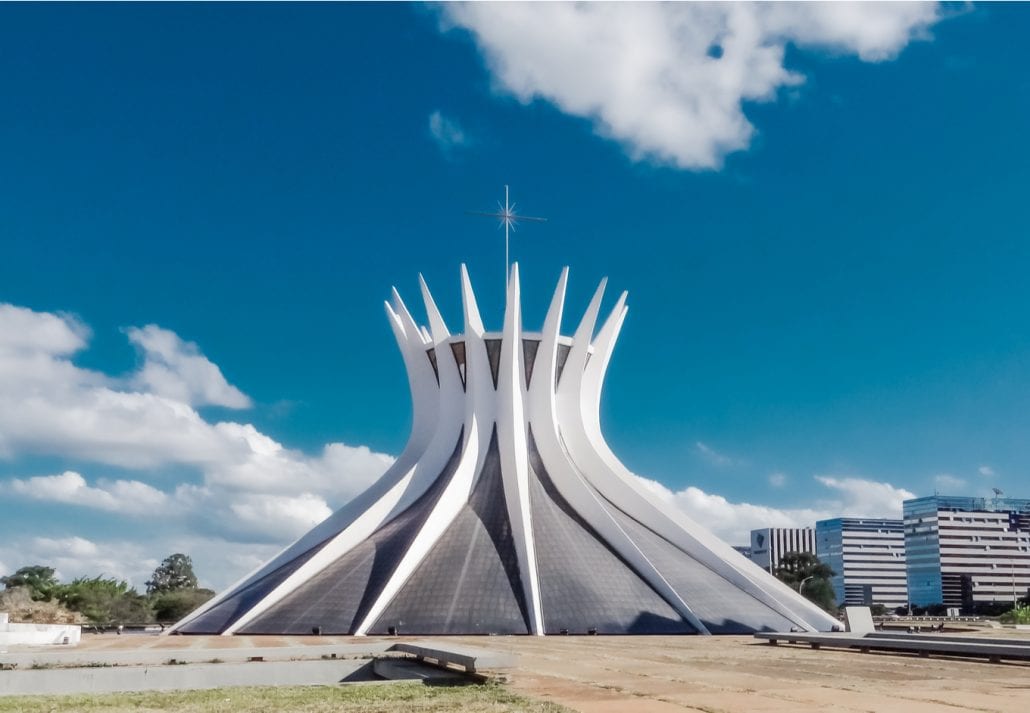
688,673
739,674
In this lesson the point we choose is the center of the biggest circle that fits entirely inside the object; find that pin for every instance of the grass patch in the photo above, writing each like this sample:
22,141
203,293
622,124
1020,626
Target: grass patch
384,698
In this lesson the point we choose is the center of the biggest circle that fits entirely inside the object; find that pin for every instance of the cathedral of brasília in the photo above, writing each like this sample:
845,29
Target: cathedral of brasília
507,512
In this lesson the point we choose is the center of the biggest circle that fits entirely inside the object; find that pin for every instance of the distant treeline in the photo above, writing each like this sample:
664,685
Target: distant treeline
171,593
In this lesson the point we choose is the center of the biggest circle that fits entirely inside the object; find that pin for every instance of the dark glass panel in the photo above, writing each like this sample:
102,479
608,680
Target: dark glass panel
222,615
493,353
338,598
529,350
459,357
584,584
723,607
563,356
431,353
469,582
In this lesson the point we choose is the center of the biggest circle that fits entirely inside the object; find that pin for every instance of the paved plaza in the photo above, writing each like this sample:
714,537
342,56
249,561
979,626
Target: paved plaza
597,674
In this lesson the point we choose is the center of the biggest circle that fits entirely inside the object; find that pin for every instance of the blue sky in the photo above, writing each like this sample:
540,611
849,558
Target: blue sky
819,213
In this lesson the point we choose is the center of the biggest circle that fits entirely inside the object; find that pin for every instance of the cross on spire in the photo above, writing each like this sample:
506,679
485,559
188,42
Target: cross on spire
507,217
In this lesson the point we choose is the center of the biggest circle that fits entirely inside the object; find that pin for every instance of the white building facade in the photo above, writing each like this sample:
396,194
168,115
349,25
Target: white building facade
867,557
769,544
963,551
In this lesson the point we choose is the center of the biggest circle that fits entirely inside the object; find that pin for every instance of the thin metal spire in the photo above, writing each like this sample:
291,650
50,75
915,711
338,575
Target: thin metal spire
508,218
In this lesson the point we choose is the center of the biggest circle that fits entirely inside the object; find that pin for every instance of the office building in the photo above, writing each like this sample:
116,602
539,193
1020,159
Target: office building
962,550
769,544
867,557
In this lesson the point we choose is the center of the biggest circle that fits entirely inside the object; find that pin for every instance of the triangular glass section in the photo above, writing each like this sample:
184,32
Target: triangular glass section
221,616
529,350
431,353
469,582
493,353
459,358
722,606
563,356
335,600
584,584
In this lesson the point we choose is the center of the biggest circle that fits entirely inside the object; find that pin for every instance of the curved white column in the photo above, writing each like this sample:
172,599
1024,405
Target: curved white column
511,442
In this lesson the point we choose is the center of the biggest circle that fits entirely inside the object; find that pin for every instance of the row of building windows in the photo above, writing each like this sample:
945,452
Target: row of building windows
944,550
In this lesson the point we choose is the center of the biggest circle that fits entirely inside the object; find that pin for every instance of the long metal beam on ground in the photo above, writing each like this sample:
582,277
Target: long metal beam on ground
923,646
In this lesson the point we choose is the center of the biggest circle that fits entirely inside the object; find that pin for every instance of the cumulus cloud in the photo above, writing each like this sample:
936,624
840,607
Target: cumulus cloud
49,405
177,370
669,80
281,518
252,490
218,562
866,498
733,521
29,331
986,471
948,484
446,133
777,480
74,557
127,496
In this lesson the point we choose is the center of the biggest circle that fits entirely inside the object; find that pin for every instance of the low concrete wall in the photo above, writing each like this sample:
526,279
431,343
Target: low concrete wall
38,634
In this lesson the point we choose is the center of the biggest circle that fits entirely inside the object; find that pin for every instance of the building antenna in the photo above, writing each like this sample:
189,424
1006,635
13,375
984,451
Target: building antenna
507,217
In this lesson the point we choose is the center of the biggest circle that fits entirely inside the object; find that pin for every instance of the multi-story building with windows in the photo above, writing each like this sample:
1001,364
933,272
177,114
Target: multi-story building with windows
867,557
769,544
962,551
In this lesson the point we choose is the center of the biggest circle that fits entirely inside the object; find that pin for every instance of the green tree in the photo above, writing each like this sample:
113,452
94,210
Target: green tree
170,607
173,574
803,571
106,601
39,579
1019,615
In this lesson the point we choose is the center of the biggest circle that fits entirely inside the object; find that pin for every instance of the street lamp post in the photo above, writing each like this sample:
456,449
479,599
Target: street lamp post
801,585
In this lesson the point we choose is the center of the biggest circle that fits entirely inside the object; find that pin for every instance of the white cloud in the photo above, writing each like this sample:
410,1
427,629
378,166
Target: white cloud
713,456
177,370
844,497
986,471
74,557
948,484
669,80
252,490
26,330
217,561
447,133
283,518
126,496
859,497
777,480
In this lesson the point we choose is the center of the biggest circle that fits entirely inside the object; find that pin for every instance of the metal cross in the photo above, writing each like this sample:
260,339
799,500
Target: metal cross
508,218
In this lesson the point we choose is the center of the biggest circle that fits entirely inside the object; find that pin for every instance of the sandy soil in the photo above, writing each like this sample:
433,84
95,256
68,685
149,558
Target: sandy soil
659,674
734,674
